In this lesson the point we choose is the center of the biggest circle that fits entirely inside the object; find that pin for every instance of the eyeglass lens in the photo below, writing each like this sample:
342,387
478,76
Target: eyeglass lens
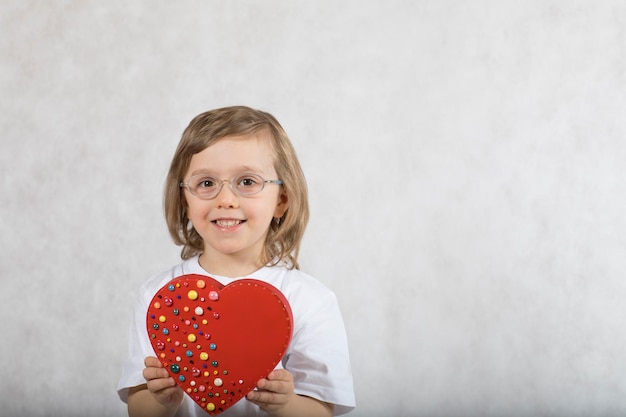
208,187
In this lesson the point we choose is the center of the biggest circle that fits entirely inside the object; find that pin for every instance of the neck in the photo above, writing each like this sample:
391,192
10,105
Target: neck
227,266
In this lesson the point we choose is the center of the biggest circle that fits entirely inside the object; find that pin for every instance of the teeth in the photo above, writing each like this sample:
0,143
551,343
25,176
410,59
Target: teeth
227,223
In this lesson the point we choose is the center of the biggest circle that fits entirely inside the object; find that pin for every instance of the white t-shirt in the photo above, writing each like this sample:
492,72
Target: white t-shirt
317,356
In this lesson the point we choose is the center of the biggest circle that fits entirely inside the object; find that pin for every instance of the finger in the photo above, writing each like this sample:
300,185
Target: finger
280,375
277,386
151,361
264,398
161,384
152,373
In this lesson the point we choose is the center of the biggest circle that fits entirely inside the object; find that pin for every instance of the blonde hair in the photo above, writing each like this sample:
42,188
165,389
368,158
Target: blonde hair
285,234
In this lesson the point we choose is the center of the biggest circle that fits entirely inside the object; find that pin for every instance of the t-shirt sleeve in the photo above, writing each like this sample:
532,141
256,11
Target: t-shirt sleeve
318,356
138,348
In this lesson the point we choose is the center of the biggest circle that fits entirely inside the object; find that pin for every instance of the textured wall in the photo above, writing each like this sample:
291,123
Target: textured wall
465,166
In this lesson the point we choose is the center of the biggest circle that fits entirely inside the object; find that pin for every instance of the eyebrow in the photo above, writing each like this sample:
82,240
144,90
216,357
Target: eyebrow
242,169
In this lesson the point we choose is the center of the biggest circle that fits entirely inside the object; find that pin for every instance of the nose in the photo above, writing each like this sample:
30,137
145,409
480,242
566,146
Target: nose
226,197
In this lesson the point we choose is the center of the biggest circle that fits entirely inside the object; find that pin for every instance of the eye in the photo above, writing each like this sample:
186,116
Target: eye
249,181
206,182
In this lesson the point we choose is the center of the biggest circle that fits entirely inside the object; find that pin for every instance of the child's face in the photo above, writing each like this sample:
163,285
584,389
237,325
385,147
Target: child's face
232,226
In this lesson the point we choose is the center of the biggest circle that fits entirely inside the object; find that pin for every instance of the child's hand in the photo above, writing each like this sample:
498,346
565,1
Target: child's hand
160,384
274,392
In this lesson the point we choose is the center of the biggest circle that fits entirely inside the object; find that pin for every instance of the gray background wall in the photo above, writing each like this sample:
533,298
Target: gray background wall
465,166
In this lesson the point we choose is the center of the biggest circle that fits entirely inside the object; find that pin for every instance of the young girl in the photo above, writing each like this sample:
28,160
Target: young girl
236,200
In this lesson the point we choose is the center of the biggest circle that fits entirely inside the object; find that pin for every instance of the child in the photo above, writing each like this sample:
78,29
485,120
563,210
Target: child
236,201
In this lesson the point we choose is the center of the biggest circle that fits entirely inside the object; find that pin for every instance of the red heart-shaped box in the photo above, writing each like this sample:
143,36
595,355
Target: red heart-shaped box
217,341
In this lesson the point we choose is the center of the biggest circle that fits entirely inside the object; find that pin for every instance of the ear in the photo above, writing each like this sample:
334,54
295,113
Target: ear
281,205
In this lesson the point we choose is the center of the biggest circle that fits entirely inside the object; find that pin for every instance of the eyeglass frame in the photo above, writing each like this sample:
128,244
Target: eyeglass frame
231,183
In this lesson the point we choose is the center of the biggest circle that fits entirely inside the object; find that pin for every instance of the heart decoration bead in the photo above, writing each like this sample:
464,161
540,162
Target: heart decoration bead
217,341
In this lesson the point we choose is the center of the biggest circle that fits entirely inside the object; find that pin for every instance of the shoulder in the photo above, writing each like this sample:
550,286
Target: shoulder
160,278
294,282
305,293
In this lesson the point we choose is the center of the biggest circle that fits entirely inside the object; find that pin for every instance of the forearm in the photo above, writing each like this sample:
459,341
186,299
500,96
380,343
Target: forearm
302,406
141,403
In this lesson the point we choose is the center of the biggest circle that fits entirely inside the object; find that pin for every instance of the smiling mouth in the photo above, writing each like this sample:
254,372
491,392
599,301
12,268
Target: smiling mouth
227,223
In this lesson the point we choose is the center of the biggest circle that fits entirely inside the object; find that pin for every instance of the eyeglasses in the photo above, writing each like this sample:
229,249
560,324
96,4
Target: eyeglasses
206,188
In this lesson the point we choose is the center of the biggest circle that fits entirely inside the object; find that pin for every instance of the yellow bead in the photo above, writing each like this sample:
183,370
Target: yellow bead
192,294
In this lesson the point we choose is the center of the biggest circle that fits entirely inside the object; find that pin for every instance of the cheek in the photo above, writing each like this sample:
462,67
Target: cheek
264,211
195,211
